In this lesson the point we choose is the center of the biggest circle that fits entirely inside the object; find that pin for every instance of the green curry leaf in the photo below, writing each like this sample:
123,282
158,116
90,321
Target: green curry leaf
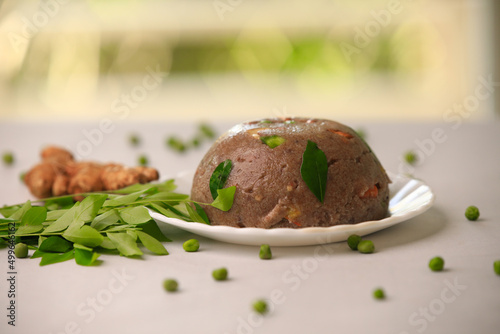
219,177
89,207
85,257
135,215
194,215
151,243
314,170
63,222
225,198
125,244
50,258
85,235
34,216
55,244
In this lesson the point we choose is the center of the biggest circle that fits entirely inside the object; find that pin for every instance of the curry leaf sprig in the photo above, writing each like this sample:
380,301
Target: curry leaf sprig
110,222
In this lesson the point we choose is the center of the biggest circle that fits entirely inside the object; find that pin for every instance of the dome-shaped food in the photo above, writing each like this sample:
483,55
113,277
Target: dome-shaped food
294,173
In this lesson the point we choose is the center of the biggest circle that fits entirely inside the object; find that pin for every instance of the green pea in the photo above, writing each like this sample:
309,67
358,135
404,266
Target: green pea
21,250
410,157
436,263
353,241
195,142
192,245
134,140
379,294
265,252
496,267
260,306
143,160
207,131
176,144
8,158
170,285
220,274
472,213
272,141
366,246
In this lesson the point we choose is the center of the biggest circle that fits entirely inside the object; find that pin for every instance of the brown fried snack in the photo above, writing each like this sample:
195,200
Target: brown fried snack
59,174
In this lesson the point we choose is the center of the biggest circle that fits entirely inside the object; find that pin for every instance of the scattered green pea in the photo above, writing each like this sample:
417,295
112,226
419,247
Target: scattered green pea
22,176
379,294
260,306
410,157
192,245
21,250
8,158
143,160
472,213
204,132
170,285
134,140
176,144
366,246
436,263
265,252
195,142
496,267
272,141
207,131
220,274
353,241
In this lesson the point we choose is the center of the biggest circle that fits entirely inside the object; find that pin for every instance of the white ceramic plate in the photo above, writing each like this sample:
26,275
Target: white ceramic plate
409,198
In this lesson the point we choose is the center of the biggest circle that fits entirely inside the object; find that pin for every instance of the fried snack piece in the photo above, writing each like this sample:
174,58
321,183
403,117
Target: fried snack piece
47,178
59,174
40,179
117,176
84,177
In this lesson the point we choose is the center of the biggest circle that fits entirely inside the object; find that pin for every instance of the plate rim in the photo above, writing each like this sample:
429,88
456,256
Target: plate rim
370,226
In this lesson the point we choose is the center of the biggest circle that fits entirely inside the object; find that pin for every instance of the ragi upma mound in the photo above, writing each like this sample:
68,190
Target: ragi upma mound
294,173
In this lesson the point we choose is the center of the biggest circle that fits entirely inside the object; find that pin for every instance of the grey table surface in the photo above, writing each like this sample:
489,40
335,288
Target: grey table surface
306,293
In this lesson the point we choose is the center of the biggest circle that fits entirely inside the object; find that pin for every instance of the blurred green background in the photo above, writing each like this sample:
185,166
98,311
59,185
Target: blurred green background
242,59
